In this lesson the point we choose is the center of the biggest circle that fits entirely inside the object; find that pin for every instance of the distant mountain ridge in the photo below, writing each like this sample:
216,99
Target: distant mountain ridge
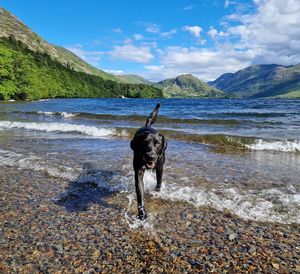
259,81
12,26
133,79
31,68
185,85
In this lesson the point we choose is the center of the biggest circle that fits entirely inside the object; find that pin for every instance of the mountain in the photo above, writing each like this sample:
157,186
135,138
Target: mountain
261,81
187,85
31,68
182,86
12,26
133,79
27,74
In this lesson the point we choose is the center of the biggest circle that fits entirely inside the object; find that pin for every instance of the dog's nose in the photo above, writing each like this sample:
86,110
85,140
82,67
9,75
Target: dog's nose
151,156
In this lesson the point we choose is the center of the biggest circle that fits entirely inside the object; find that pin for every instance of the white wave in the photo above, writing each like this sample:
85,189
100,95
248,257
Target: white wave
250,205
64,127
134,223
31,161
68,115
284,145
269,205
50,113
62,114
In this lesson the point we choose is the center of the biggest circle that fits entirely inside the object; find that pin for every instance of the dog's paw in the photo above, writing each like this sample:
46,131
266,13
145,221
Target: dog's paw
142,213
157,188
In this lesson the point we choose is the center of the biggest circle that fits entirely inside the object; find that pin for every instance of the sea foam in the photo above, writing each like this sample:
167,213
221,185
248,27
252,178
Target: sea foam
62,114
283,145
34,162
272,205
63,127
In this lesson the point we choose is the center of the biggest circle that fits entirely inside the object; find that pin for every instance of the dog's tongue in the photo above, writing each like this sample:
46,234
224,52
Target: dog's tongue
150,165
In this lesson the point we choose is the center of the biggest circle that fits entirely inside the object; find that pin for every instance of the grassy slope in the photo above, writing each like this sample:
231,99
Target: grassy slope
260,81
12,26
133,79
290,95
80,65
188,86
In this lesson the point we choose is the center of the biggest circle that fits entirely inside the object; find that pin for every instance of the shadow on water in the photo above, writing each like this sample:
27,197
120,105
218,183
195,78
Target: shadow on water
91,187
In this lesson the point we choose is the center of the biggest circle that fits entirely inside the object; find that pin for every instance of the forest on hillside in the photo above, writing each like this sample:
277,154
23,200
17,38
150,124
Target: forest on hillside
25,74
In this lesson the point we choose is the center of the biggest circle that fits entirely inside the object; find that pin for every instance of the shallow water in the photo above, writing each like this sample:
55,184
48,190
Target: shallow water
255,174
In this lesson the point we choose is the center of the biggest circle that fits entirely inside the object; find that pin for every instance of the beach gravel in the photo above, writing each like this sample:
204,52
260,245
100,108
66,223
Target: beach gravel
48,227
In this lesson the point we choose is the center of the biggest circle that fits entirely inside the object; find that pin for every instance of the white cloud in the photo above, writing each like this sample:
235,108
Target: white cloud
189,7
152,27
272,32
91,57
227,3
167,34
115,71
117,30
133,53
154,68
138,36
212,32
194,30
149,44
202,42
267,34
206,64
128,41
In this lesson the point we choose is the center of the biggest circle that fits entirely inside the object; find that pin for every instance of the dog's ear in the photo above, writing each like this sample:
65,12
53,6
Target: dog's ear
133,144
165,143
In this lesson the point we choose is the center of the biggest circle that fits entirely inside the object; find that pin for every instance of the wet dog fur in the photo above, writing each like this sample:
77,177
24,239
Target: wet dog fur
148,153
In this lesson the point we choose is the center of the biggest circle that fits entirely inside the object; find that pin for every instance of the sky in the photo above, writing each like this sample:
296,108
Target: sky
163,39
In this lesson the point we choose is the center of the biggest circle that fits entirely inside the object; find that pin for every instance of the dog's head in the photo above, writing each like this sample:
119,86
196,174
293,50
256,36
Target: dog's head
150,146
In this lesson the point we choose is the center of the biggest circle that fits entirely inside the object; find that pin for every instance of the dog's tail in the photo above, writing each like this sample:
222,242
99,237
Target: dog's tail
152,116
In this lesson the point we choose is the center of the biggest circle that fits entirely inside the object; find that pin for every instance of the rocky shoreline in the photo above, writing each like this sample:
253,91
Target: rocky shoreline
48,225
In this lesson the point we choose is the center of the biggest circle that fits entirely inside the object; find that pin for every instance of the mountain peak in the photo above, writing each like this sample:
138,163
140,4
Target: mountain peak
263,80
185,75
11,26
187,85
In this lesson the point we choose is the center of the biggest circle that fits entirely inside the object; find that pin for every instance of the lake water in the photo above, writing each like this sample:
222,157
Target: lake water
240,155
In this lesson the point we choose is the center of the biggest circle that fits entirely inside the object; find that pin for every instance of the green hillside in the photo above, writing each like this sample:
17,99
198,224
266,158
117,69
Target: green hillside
27,74
133,79
261,81
12,26
290,95
187,85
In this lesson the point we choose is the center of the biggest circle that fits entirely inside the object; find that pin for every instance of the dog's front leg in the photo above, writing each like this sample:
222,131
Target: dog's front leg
159,175
139,187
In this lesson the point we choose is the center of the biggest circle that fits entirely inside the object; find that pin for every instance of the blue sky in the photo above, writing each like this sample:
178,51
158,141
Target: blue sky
162,39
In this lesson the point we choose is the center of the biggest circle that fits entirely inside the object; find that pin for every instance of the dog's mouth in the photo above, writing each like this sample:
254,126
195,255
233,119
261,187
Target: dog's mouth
150,165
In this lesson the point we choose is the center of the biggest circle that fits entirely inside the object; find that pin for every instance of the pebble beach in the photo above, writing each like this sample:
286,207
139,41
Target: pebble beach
54,226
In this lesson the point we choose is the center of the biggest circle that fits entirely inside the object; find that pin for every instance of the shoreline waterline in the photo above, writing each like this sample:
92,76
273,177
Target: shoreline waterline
230,200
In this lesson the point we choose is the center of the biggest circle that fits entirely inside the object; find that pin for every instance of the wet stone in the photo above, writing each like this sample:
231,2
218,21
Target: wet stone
232,236
90,233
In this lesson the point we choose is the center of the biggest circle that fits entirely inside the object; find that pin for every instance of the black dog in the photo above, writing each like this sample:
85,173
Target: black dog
149,153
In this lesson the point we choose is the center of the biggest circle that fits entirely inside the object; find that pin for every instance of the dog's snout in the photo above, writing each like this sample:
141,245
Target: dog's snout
150,156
